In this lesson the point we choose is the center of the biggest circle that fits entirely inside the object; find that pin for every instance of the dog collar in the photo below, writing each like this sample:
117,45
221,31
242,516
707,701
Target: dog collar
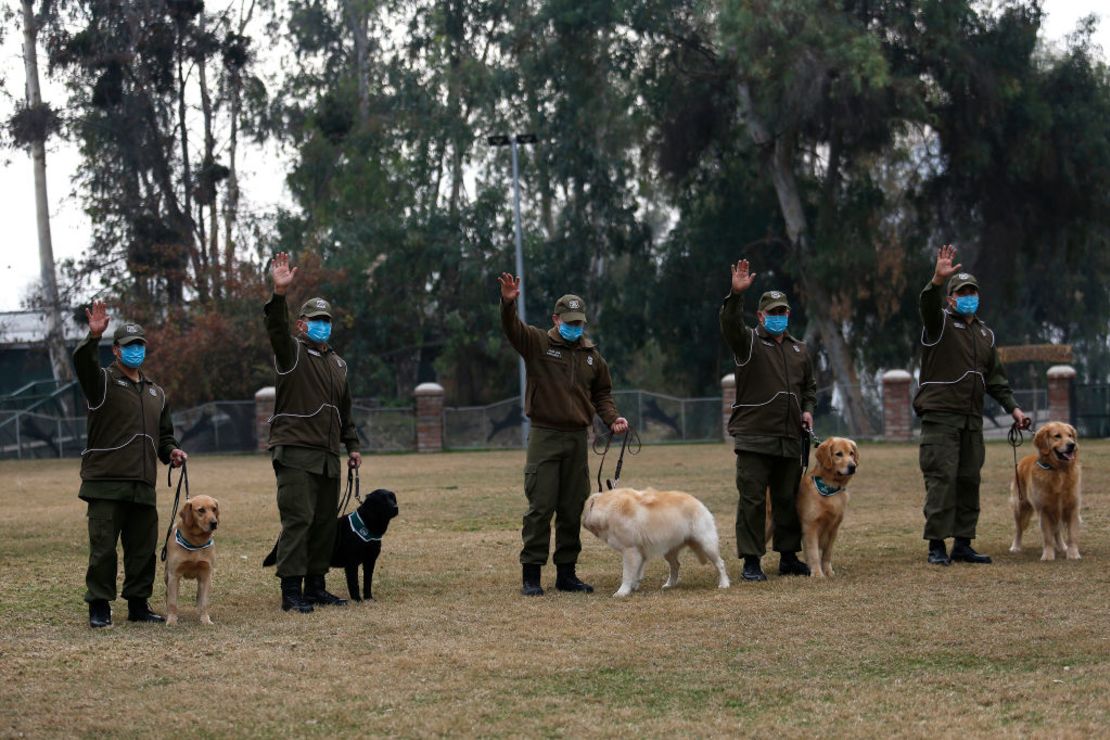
1044,466
189,545
824,488
359,527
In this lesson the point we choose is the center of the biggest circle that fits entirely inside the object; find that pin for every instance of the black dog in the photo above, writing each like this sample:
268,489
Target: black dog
358,541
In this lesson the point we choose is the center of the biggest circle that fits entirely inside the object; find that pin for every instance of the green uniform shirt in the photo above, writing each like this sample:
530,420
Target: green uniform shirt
312,407
567,381
775,384
129,430
959,364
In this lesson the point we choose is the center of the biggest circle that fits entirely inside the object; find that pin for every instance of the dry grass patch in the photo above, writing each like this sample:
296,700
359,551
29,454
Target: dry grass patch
889,646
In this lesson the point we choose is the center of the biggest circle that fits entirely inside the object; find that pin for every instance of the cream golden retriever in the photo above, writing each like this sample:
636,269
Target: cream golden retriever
191,553
650,524
1049,482
822,501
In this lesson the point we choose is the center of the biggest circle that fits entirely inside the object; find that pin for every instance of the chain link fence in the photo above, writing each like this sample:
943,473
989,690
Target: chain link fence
382,429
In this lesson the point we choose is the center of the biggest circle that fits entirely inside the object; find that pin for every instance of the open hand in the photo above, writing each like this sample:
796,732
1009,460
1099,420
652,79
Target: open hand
98,318
510,287
742,278
281,273
945,269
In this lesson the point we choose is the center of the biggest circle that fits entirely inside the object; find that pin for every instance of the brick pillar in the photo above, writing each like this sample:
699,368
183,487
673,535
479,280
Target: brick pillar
1060,378
263,410
897,419
728,397
429,417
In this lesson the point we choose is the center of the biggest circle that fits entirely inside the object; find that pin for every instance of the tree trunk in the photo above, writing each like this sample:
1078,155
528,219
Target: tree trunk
209,160
357,14
55,339
780,153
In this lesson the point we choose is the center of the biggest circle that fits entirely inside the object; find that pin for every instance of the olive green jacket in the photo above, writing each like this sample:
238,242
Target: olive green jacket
567,381
775,384
129,428
959,363
312,407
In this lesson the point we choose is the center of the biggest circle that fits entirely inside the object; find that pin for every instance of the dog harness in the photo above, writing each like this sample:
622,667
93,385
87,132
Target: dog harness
359,527
190,546
824,488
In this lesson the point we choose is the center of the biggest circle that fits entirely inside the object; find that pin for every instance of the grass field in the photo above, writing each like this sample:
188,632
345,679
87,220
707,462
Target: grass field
888,647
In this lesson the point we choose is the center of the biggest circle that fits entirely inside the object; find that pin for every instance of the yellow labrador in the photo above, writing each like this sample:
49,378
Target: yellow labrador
649,524
1050,483
191,554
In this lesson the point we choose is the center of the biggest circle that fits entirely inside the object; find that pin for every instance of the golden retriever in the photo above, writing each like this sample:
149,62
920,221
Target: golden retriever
823,499
648,524
821,513
1049,482
191,554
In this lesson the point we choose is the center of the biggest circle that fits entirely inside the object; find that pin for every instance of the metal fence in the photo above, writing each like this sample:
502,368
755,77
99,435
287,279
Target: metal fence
385,429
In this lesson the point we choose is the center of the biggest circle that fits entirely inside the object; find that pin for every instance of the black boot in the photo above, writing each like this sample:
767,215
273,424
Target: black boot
291,599
315,592
789,565
138,610
531,580
566,580
938,555
752,571
100,614
962,551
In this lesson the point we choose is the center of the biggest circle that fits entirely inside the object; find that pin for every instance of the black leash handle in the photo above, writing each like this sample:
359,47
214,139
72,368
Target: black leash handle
183,478
352,487
635,450
1017,439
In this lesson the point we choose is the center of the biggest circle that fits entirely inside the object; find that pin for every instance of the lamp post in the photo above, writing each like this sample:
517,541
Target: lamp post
514,141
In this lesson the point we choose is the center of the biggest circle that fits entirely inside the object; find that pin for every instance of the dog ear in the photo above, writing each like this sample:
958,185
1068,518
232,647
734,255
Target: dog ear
1073,432
216,509
186,513
1040,437
824,454
855,451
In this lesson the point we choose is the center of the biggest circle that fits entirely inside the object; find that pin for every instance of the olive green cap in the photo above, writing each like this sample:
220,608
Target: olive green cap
773,299
959,280
128,333
570,308
315,307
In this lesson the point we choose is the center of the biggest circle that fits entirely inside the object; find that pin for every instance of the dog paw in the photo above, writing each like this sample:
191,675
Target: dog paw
205,619
621,593
1074,555
1048,555
1015,548
724,584
668,585
171,620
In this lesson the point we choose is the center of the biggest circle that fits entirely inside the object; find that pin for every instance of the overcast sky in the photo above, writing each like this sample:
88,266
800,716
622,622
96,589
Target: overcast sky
262,172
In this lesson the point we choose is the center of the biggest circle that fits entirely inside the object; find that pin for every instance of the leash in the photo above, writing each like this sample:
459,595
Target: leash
809,440
183,478
635,450
1017,439
352,487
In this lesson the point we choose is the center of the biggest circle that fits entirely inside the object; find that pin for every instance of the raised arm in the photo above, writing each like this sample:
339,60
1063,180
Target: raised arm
931,302
523,337
277,312
736,333
86,360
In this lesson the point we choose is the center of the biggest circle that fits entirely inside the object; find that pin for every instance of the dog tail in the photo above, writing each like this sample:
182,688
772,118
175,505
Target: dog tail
271,559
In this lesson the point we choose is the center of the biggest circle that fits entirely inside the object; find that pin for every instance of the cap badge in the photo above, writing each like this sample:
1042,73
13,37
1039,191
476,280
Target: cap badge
132,329
575,305
320,303
963,276
776,295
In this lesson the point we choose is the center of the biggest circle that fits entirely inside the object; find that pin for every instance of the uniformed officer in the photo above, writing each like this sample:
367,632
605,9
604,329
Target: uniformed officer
129,430
775,396
958,363
568,382
312,416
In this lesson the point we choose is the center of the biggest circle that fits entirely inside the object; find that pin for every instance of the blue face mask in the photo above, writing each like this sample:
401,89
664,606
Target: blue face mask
133,354
571,333
775,324
967,304
318,331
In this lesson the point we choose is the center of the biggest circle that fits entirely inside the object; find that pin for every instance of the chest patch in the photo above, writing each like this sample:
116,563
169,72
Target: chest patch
313,352
589,360
123,383
797,348
152,392
557,354
958,325
766,343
